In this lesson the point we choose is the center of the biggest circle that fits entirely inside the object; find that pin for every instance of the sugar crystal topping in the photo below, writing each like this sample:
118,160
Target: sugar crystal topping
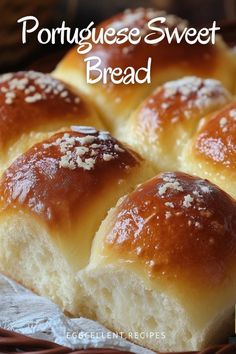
187,201
186,198
170,185
232,114
225,121
35,87
223,124
84,151
197,92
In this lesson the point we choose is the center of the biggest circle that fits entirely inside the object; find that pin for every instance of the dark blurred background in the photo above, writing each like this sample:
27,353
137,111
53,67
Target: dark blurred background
78,13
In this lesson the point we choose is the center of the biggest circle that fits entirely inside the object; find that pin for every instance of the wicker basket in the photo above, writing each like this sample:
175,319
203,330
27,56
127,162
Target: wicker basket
11,342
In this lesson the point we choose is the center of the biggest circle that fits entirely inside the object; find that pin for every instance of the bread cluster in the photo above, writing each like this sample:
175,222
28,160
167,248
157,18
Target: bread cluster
118,201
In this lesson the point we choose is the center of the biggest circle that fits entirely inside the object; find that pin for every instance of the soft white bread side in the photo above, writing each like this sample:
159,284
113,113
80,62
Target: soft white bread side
164,123
53,199
163,261
33,106
211,153
169,62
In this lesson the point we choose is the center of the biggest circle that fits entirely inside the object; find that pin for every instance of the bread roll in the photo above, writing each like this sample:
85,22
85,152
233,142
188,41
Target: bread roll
53,199
32,105
169,62
163,261
163,124
212,151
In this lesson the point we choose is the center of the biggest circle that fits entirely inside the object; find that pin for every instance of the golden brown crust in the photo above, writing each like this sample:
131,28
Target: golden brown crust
179,226
180,102
215,143
33,101
168,118
59,177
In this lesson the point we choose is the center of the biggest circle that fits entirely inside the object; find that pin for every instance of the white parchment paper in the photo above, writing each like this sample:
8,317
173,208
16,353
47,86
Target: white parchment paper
24,312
